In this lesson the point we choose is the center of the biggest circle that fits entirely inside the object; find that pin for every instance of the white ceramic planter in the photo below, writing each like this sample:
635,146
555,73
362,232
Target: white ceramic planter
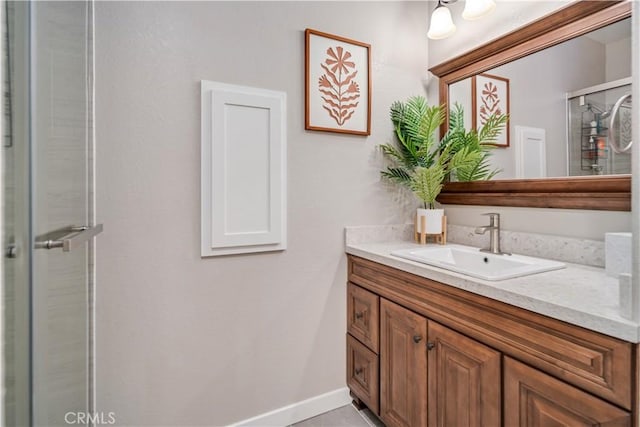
433,218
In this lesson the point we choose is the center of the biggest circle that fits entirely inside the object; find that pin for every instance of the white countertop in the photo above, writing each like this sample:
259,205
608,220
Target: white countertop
580,295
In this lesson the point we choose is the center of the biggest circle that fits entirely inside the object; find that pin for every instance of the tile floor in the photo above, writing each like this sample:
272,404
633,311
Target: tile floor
346,416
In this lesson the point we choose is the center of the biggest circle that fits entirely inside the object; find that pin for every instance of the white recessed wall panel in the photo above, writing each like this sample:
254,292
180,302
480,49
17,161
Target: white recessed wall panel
530,152
243,169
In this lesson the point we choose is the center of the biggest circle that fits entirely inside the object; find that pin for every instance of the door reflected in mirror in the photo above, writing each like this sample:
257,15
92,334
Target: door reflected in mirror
560,102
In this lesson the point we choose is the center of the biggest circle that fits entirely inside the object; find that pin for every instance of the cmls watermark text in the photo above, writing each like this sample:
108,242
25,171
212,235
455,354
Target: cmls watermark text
84,418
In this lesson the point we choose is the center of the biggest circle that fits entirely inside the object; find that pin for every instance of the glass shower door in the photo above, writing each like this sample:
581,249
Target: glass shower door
16,265
60,122
49,376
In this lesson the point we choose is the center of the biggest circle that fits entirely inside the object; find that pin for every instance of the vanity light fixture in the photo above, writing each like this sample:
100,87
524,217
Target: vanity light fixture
442,25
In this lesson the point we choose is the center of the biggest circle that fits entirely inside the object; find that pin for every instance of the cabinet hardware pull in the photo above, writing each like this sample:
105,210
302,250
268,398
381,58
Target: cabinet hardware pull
358,371
417,339
431,345
359,315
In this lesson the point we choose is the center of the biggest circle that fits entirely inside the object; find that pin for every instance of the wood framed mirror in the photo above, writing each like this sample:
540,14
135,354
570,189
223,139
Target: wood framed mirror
598,192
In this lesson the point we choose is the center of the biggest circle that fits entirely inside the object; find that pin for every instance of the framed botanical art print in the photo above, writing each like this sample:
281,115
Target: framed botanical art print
337,84
490,95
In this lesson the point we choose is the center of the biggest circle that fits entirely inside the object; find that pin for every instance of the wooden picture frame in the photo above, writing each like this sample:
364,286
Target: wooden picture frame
337,84
490,95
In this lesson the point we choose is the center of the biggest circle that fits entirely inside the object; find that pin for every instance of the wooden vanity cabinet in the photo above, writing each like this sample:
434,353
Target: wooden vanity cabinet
447,357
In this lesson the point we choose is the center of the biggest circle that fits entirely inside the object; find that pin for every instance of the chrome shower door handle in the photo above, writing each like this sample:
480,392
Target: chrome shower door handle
76,236
612,134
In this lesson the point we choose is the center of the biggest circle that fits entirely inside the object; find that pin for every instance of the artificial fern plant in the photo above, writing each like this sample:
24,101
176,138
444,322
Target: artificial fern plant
415,154
421,163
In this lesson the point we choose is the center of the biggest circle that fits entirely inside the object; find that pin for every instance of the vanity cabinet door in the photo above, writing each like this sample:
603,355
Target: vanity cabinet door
464,380
535,399
403,366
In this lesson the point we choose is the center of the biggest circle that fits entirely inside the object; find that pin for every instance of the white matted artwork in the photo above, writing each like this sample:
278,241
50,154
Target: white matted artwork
490,96
337,84
243,169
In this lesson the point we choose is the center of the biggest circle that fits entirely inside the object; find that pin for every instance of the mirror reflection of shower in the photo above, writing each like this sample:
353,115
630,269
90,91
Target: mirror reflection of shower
599,129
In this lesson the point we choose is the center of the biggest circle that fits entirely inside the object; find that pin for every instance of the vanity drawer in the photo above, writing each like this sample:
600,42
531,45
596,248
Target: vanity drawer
362,373
362,316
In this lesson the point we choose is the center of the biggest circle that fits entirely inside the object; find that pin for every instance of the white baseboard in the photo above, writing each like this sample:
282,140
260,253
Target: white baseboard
300,411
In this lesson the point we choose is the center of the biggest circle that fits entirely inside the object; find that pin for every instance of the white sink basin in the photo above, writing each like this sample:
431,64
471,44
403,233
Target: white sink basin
470,261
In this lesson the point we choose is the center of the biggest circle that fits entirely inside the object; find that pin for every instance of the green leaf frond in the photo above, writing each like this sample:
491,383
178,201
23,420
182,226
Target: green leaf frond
415,123
398,175
471,165
444,157
426,183
460,140
397,111
456,118
492,128
398,155
428,127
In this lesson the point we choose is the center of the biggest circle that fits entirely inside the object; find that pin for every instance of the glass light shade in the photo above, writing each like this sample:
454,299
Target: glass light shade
475,9
441,24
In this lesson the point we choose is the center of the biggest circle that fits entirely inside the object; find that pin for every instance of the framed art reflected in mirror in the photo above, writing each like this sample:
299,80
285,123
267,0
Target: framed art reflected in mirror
489,96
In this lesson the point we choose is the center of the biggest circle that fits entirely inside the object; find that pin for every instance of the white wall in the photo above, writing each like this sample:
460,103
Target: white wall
508,16
618,61
460,93
188,341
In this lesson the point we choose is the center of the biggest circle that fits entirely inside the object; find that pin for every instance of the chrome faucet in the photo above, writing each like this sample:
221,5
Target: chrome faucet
494,237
